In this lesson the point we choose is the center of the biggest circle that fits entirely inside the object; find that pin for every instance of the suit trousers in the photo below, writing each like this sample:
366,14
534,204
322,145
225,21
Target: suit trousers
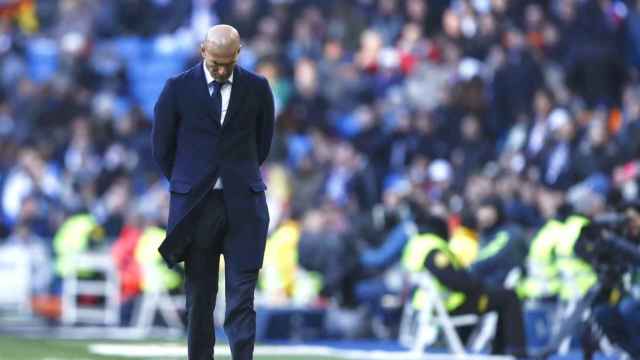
510,337
201,283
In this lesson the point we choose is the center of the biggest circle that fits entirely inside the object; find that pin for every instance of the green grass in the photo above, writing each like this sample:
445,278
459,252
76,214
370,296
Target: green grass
13,348
38,349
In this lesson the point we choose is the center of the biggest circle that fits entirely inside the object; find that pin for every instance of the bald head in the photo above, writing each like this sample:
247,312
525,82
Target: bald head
220,50
222,40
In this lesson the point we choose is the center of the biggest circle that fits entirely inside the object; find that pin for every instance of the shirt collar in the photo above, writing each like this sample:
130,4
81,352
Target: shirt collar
210,78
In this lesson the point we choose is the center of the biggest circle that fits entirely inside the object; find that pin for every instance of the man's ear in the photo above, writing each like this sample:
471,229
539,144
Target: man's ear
202,50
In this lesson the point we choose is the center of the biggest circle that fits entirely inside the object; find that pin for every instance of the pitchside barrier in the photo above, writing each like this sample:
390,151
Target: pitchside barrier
15,279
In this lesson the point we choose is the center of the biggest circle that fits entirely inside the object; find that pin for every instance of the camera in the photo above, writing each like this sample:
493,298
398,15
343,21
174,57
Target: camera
610,244
606,245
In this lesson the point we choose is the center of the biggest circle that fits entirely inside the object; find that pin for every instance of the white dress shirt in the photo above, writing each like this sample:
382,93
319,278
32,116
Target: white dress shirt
225,93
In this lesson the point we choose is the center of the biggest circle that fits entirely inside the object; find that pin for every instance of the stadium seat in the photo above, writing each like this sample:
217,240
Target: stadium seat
421,326
148,74
157,300
42,59
102,285
128,47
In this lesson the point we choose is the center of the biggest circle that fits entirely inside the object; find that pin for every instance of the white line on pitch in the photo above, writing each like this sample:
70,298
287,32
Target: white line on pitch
172,350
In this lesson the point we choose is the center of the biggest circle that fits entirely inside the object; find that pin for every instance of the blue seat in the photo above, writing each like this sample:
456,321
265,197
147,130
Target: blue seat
42,59
149,64
129,47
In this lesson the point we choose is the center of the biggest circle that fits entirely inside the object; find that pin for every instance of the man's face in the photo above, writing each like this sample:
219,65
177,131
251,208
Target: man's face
486,216
219,63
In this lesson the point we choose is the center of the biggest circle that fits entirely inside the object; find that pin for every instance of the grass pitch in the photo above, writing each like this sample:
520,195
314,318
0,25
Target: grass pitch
19,348
13,348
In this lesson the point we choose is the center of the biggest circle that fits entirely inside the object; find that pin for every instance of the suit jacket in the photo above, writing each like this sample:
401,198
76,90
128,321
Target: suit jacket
193,150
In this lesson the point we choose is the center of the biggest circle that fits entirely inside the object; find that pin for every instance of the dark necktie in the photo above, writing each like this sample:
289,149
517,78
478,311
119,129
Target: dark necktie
216,95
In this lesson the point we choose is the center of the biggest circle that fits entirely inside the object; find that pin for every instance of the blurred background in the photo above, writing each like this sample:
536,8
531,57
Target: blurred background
499,116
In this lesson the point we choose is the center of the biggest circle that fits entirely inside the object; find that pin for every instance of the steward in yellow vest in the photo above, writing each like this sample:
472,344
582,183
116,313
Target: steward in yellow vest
460,290
282,279
156,276
75,236
543,276
502,247
576,274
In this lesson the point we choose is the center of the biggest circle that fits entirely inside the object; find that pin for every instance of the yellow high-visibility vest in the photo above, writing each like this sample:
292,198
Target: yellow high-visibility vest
416,253
543,278
281,275
496,244
155,274
71,239
577,275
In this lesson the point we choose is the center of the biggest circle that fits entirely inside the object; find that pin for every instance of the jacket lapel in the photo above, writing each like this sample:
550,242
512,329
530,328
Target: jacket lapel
238,94
201,90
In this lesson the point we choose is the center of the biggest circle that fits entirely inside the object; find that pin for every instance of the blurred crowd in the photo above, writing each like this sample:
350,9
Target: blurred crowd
385,109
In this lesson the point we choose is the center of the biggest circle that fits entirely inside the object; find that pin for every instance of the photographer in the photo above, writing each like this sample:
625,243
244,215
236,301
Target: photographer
618,312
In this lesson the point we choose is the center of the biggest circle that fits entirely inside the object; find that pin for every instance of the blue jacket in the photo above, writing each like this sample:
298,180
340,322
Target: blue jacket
193,150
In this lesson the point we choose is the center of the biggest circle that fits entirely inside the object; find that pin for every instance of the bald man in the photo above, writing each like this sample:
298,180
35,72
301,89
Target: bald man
212,132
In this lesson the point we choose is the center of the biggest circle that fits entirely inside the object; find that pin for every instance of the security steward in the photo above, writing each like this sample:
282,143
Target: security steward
462,292
502,247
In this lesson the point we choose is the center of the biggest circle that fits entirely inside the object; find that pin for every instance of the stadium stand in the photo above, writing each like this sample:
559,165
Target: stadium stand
385,109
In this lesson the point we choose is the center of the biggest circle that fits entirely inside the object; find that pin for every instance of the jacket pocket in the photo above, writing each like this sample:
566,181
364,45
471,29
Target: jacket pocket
257,186
179,187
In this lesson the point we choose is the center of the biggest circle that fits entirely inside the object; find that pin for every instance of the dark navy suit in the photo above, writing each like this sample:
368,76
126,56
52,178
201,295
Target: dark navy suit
193,149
